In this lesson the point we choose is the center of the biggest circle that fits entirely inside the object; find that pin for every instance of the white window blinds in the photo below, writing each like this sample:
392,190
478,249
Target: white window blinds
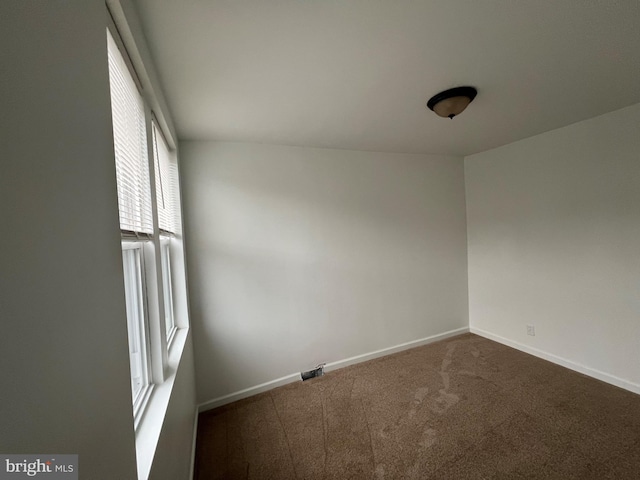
175,186
165,187
130,142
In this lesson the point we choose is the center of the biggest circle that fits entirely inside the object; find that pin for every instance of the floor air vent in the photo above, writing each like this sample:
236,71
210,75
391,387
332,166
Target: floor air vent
316,372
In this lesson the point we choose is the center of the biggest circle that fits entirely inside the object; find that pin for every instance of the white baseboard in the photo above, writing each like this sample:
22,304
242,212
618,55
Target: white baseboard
591,372
397,348
263,387
248,392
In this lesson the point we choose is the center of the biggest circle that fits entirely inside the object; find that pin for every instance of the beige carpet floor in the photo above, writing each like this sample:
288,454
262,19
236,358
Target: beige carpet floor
462,408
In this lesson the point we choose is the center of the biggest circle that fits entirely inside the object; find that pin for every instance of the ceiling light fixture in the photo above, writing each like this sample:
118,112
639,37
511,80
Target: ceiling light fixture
452,102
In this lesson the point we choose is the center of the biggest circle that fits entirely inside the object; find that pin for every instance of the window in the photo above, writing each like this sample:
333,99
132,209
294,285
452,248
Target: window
165,200
169,319
153,260
132,260
165,170
130,145
148,224
134,206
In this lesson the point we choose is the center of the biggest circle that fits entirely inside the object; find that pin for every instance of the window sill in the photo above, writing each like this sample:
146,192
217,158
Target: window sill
150,425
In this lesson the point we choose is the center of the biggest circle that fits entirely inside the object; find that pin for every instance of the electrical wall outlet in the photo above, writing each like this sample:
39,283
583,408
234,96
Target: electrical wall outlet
531,330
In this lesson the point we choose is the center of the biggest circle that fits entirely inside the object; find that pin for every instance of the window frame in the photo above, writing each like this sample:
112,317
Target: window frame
136,284
167,286
152,272
135,292
123,24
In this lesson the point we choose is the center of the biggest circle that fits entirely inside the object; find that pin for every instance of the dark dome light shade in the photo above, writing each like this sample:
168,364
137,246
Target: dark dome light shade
452,102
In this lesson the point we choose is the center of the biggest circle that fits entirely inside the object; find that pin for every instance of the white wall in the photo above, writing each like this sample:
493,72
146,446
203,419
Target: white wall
302,255
63,348
64,382
554,241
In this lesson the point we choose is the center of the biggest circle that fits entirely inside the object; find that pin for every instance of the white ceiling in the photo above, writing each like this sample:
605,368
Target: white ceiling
356,74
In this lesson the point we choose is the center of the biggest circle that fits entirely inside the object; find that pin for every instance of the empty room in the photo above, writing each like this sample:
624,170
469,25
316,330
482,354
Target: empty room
314,239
